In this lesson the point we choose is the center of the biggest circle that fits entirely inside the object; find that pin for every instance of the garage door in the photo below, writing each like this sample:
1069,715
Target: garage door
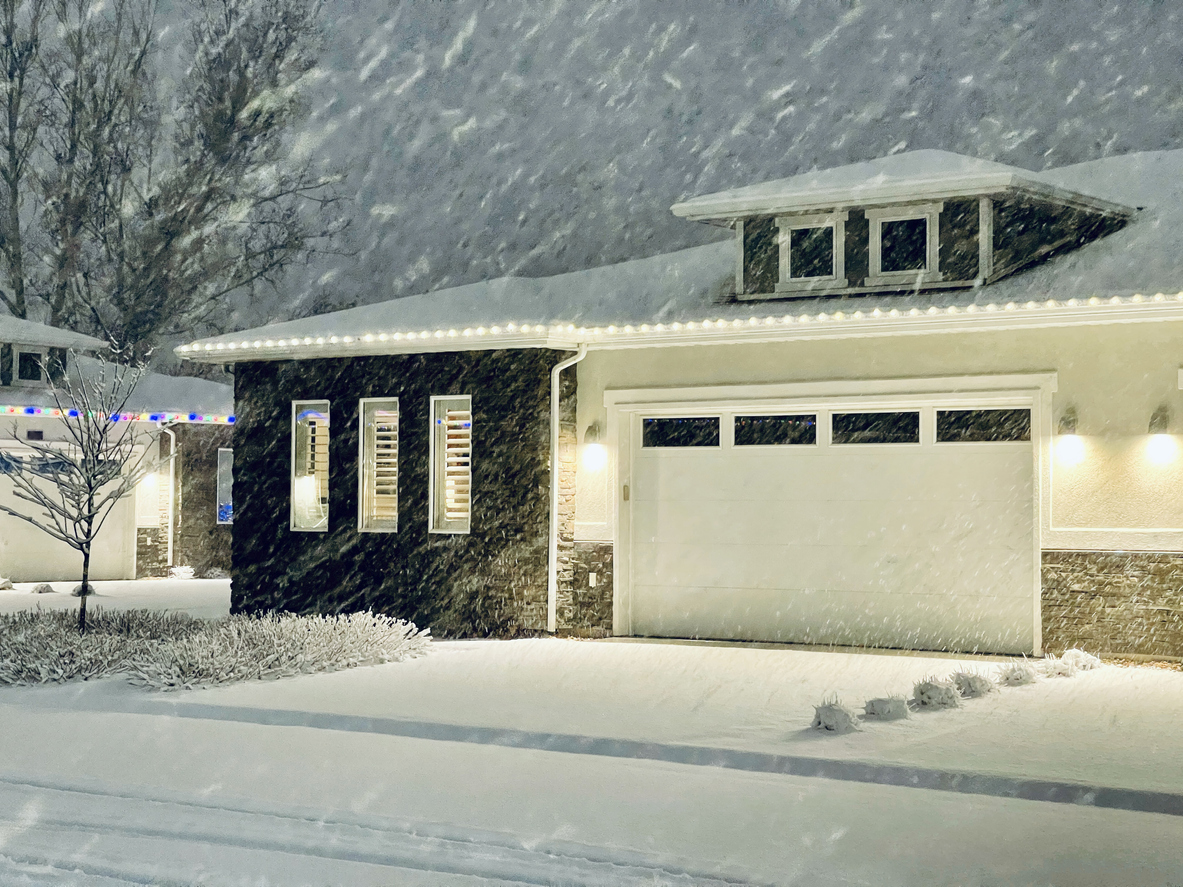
898,526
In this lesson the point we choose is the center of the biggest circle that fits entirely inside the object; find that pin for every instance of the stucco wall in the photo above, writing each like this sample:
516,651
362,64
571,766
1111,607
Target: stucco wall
1113,376
491,581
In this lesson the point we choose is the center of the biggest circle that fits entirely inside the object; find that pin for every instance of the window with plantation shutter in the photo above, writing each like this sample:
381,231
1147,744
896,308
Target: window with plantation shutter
378,505
310,465
451,461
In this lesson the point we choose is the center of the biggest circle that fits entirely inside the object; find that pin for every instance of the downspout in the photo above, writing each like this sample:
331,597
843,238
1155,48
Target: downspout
552,574
172,487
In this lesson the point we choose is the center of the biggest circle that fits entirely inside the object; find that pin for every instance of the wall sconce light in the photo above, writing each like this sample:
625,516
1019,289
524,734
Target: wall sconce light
593,455
1068,421
1160,420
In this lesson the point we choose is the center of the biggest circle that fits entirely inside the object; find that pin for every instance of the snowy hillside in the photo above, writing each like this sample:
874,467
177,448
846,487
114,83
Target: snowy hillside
486,139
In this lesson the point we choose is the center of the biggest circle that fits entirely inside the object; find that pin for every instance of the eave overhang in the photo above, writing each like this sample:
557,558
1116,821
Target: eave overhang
715,330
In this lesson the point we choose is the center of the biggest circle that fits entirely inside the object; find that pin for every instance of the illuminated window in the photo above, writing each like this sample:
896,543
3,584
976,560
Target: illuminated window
451,461
378,471
225,486
310,465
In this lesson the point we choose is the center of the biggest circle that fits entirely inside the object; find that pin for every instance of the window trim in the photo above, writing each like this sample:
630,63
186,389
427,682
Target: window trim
296,406
361,464
720,427
836,222
930,212
437,523
918,411
43,360
218,489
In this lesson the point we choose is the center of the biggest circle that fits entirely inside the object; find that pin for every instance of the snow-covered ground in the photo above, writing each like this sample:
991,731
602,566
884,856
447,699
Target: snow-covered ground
208,598
589,762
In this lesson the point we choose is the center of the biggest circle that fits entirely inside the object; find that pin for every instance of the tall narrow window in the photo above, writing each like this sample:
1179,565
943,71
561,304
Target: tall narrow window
451,464
378,483
225,486
310,465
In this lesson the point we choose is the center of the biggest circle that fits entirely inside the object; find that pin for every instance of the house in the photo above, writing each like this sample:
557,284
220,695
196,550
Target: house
180,514
926,401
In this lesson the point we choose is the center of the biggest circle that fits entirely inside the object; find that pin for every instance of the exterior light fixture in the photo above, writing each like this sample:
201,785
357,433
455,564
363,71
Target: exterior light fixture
1070,447
1162,448
1068,421
593,455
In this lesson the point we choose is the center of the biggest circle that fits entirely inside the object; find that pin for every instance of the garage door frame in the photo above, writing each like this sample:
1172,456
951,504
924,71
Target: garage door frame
625,408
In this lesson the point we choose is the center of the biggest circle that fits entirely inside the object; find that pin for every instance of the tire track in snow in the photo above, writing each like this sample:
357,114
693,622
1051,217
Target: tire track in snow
104,834
878,773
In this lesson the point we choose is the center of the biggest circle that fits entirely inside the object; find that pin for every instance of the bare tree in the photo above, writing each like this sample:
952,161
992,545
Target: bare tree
134,221
73,485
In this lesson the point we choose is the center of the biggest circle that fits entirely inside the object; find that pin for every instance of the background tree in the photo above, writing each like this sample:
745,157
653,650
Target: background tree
72,485
135,216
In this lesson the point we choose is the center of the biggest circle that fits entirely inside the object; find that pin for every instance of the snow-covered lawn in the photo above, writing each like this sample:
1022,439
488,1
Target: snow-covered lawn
563,761
208,598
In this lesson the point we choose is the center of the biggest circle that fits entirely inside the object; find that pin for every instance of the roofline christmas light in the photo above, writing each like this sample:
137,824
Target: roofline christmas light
184,418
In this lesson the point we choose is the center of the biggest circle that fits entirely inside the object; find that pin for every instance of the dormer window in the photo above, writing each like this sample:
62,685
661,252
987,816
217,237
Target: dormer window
904,245
812,252
29,367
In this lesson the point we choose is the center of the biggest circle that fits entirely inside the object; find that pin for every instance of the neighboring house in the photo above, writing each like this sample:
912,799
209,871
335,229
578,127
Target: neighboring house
927,401
173,518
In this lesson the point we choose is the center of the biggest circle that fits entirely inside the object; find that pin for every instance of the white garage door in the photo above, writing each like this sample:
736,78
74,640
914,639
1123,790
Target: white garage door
898,526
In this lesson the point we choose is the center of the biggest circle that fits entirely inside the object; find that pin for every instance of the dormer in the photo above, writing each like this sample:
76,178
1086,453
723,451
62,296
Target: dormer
912,222
30,351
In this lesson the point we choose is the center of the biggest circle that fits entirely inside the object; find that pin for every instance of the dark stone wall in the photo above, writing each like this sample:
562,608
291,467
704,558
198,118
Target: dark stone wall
761,256
1113,602
1028,231
6,364
858,252
591,608
151,553
200,541
491,581
958,223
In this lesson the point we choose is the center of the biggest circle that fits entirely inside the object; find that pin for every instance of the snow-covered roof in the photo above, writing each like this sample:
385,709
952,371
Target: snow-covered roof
179,398
15,331
686,297
914,175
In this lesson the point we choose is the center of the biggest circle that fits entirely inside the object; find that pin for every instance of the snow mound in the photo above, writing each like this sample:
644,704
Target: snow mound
972,685
1016,674
1081,660
886,708
43,588
170,651
834,717
934,693
5,584
1051,667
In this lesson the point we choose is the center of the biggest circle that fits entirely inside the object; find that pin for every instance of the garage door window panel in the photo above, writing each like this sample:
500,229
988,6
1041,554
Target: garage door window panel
775,431
689,431
876,428
983,426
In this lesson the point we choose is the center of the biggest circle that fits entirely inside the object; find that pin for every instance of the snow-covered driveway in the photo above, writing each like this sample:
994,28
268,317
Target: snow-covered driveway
574,762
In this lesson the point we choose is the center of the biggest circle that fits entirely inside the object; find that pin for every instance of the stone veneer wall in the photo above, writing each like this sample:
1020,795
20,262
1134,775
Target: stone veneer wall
591,608
151,552
1113,602
491,581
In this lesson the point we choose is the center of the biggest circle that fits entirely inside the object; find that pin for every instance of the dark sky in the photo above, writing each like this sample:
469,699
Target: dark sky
531,138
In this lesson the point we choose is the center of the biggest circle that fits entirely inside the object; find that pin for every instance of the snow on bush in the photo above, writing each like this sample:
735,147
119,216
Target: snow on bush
1081,660
170,651
972,685
834,717
886,708
5,584
1016,674
934,693
1051,667
43,588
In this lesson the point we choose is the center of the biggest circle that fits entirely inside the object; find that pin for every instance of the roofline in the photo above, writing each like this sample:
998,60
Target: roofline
711,331
701,209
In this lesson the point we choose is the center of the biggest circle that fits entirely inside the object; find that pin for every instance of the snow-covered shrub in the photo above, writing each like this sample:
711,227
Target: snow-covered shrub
43,588
174,650
78,592
244,648
1081,660
971,684
935,693
182,572
1051,667
886,708
5,584
834,717
1016,674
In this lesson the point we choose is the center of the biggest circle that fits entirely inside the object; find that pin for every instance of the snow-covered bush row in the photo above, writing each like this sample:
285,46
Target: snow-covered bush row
932,692
171,651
